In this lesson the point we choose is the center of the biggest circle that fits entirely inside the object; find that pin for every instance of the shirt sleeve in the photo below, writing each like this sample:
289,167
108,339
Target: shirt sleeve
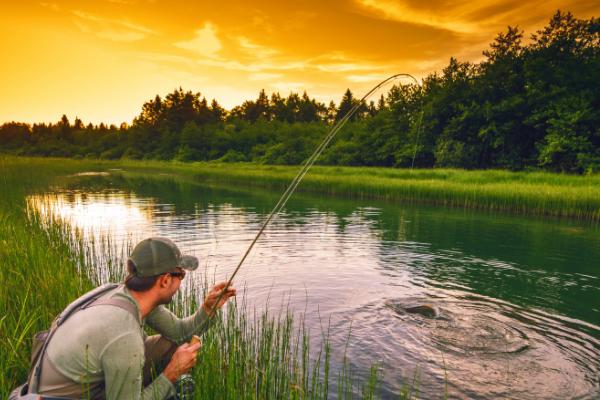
122,363
179,330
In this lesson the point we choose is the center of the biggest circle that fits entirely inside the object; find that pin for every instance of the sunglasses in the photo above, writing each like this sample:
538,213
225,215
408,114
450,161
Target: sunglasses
178,274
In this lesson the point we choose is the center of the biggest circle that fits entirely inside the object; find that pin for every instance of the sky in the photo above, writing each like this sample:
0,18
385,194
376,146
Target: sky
101,60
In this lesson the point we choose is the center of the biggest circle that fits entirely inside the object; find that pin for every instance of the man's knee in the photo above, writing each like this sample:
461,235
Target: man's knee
157,348
158,352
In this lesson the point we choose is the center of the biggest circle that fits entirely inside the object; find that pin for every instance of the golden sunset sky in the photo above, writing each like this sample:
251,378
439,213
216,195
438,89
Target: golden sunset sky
100,60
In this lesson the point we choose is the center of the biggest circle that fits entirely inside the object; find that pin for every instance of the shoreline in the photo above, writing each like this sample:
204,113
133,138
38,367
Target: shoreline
521,193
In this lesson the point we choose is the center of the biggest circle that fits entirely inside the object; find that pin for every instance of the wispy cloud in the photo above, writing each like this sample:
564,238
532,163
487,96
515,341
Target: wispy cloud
112,29
467,18
401,12
52,6
284,87
347,67
362,78
263,76
205,42
234,65
254,49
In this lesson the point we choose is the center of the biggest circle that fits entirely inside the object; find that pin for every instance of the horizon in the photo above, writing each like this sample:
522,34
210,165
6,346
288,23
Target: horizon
101,61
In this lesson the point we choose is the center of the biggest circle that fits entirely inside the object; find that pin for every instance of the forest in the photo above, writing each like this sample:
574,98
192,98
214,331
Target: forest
531,103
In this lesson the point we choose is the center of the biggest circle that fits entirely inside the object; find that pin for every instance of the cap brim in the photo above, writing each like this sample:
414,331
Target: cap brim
189,263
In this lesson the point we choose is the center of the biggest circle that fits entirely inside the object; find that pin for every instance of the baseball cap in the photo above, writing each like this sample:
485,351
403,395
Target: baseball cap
158,255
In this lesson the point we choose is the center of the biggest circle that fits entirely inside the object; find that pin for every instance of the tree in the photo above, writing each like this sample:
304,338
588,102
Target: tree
218,112
64,128
346,105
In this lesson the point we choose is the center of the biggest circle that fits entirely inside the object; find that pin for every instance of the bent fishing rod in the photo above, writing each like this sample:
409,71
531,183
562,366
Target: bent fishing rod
296,181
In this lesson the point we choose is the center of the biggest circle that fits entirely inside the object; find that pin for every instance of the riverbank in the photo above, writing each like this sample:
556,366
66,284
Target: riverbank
524,193
45,266
527,193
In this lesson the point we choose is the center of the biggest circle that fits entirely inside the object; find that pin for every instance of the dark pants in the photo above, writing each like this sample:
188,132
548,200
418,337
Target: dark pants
158,352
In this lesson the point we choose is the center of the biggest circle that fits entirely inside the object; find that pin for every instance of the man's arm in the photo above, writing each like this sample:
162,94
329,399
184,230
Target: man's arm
181,330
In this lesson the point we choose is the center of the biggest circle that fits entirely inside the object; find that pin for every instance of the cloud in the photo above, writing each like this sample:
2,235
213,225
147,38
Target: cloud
363,78
337,61
205,42
234,65
399,11
52,6
347,67
282,86
163,58
116,30
120,36
466,19
263,76
254,49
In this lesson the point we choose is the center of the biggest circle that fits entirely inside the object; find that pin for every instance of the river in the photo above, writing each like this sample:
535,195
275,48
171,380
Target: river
513,302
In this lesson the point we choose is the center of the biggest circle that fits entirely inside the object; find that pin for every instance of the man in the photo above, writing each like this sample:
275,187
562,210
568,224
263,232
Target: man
102,351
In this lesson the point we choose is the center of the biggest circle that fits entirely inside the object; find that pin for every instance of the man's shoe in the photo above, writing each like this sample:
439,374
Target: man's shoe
184,387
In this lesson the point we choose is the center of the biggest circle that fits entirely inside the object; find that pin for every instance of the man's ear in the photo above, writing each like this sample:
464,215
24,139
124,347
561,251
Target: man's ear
163,281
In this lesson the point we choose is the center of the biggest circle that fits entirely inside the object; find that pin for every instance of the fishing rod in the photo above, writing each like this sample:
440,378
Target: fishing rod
296,181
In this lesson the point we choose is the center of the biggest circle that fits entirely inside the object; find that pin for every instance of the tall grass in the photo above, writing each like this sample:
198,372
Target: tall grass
533,193
45,266
39,270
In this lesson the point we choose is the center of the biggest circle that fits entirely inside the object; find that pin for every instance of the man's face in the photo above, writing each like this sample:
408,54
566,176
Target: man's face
171,286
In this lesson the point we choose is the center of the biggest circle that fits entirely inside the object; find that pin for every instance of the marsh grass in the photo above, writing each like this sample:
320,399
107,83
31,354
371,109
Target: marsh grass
532,193
246,355
529,193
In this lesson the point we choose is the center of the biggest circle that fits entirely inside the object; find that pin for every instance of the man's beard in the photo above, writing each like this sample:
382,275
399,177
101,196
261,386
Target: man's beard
166,300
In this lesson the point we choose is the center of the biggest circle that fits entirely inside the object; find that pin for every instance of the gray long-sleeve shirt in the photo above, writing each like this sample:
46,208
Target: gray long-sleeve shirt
105,345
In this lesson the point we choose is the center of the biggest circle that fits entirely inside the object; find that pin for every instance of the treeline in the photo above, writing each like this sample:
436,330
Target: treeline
526,105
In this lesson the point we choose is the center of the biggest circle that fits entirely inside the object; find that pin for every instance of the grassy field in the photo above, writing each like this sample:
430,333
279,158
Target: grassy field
45,266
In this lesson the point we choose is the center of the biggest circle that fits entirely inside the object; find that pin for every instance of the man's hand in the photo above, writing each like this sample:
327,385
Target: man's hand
182,361
213,295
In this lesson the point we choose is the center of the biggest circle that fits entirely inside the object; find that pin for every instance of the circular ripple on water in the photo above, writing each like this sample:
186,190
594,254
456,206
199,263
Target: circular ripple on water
481,348
479,334
465,332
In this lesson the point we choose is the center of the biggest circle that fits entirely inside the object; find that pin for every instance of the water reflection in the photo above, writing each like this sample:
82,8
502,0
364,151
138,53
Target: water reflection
111,212
517,300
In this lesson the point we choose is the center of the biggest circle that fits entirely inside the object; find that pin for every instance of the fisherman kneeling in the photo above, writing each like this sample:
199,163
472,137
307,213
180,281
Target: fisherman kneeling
98,348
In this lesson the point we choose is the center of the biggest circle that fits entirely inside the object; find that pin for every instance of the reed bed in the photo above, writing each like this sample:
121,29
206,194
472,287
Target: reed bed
45,265
526,193
530,193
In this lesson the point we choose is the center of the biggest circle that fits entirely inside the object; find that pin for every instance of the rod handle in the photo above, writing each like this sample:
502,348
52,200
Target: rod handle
195,339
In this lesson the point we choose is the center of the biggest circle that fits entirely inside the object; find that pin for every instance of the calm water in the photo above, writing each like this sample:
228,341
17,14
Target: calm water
516,299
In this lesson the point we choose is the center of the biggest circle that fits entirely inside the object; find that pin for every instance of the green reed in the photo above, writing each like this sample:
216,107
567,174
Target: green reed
531,193
534,193
39,264
45,265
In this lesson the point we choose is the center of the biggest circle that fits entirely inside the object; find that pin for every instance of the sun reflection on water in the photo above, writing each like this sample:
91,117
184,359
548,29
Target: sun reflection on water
98,213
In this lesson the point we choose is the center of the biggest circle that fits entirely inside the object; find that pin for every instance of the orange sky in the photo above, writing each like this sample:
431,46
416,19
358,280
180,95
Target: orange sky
100,60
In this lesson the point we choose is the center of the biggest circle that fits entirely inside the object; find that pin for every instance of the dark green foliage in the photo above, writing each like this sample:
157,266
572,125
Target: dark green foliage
523,106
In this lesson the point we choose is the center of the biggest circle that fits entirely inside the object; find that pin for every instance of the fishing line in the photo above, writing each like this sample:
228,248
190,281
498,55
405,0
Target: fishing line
296,181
